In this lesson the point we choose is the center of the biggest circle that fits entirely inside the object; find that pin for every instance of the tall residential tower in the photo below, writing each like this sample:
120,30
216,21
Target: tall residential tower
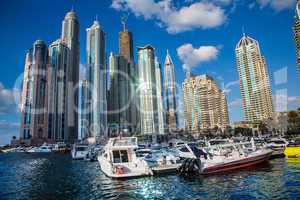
34,107
205,104
170,94
254,80
296,29
70,36
96,76
147,91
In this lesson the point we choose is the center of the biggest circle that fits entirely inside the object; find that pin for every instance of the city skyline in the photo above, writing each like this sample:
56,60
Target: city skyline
177,63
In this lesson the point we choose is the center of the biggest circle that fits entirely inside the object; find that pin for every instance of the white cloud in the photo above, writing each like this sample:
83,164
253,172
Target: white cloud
202,14
237,103
277,5
7,101
229,85
192,57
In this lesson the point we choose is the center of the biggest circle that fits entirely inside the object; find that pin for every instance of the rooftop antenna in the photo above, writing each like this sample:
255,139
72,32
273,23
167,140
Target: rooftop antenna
72,8
243,30
124,21
96,18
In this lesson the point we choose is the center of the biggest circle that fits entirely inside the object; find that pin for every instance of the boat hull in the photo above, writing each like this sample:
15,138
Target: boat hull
292,152
239,164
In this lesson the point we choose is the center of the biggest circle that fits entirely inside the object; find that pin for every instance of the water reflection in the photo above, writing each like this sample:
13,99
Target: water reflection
25,176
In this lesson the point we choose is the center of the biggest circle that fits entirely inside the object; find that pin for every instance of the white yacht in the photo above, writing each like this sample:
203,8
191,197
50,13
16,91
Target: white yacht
42,149
79,151
119,160
278,146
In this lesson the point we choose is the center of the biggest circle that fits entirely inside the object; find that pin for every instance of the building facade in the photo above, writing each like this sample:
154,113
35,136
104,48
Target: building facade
34,105
159,98
296,30
147,91
70,36
170,94
96,77
119,115
126,50
205,105
58,110
254,80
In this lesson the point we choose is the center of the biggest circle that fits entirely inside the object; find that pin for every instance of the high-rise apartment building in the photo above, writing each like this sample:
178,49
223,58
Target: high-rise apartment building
70,36
296,29
126,50
96,77
254,80
147,91
58,109
119,98
170,94
34,95
159,98
205,105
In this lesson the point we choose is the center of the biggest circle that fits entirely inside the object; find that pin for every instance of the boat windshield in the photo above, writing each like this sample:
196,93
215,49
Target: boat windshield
217,142
125,142
278,142
81,148
120,156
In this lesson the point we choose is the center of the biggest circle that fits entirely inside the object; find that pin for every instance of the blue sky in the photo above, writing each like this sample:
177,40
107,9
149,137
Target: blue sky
214,25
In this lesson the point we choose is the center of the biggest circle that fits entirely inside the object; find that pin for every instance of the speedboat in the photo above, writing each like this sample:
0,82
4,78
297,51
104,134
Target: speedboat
163,162
225,158
293,149
42,149
79,151
60,147
277,145
119,159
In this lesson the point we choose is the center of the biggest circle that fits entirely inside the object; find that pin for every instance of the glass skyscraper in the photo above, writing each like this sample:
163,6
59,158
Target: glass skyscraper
34,94
70,36
147,91
254,80
57,83
170,94
159,98
97,80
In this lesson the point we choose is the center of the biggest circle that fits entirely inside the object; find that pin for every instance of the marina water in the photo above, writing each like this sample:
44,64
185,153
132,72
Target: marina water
54,176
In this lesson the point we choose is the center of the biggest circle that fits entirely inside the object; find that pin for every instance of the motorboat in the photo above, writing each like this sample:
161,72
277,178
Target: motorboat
45,148
79,151
163,162
118,159
225,158
277,145
176,143
293,149
60,147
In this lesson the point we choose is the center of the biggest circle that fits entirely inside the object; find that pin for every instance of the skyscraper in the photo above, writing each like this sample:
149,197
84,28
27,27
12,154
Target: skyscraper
147,91
96,72
159,98
170,94
297,32
205,105
254,80
70,36
34,95
58,110
126,50
119,92
126,43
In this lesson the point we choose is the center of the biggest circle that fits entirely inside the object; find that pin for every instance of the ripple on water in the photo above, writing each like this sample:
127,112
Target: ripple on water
27,176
